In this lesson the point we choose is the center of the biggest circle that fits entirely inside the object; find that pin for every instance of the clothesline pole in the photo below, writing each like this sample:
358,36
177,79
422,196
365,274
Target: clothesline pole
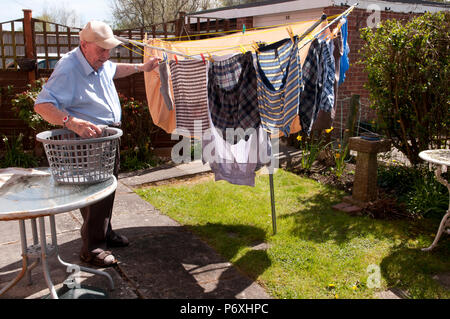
311,28
346,12
272,203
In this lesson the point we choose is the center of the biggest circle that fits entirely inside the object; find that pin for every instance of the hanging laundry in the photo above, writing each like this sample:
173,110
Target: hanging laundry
166,88
236,163
327,80
345,63
191,96
232,95
308,108
279,85
161,115
326,102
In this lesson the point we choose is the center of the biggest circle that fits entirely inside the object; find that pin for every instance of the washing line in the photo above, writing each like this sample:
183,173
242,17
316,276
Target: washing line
305,34
196,57
345,13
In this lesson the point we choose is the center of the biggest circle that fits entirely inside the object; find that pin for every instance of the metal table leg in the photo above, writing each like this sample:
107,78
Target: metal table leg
71,267
40,251
445,222
45,269
23,241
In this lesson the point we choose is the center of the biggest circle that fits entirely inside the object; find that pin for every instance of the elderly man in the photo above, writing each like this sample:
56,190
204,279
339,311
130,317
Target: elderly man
80,95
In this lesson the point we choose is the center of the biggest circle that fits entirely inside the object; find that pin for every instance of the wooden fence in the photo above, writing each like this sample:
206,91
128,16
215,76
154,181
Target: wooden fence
30,38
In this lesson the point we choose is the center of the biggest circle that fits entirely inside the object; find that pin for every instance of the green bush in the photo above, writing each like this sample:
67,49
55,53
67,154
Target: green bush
15,156
427,198
23,105
138,132
408,72
415,187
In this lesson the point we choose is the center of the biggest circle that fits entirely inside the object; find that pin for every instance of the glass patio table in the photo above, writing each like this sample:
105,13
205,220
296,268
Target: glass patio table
36,196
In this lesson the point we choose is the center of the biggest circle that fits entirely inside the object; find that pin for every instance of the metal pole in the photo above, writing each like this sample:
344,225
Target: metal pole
45,267
272,203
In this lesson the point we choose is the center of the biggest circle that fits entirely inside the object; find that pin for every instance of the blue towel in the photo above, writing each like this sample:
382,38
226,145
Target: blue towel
344,65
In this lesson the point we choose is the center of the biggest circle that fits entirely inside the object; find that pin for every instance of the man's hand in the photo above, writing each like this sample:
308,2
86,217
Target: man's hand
83,128
150,64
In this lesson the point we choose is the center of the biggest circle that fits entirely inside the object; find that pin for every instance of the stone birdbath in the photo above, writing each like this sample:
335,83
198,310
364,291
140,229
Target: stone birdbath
365,183
365,187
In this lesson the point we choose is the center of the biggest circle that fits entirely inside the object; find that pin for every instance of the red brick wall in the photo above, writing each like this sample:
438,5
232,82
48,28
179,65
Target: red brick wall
356,77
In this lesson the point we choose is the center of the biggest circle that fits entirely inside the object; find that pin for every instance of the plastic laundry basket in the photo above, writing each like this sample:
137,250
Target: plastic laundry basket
74,160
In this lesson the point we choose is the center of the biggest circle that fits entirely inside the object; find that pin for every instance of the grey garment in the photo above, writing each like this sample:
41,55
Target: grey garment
165,86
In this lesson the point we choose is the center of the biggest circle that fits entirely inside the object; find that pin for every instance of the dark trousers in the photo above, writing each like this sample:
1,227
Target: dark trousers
96,227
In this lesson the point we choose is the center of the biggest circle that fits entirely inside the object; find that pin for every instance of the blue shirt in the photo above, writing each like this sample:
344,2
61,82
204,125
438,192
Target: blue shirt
78,89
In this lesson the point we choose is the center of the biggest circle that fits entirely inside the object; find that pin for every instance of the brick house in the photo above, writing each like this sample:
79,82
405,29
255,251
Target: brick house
275,12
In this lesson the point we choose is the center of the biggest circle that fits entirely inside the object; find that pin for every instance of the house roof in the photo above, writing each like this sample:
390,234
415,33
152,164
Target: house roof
255,8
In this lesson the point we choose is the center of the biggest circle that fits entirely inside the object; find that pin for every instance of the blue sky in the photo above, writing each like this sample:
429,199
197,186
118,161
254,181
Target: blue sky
86,9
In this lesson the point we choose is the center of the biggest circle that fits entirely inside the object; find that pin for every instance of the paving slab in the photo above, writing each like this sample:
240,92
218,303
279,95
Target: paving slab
164,259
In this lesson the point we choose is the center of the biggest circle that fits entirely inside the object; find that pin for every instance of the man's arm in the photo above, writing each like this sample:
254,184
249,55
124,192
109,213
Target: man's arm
55,116
126,69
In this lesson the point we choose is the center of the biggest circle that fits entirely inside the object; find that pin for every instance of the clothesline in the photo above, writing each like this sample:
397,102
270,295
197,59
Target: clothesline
243,29
200,58
308,33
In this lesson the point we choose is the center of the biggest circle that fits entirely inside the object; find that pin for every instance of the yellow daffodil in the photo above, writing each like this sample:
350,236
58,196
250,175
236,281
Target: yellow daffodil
331,286
338,155
336,296
328,130
299,138
354,287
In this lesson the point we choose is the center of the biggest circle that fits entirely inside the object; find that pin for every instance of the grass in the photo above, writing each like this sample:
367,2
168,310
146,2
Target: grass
317,252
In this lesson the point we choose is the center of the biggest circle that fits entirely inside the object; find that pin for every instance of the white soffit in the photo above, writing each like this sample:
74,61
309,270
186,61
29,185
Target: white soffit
392,6
282,7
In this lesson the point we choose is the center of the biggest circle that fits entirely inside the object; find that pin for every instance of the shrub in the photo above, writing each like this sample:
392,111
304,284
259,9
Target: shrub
23,105
415,187
15,155
138,131
408,71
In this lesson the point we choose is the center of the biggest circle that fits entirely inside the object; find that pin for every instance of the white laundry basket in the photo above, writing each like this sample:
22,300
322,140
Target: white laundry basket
74,160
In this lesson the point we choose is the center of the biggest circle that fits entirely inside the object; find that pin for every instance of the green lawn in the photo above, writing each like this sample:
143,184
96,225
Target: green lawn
317,252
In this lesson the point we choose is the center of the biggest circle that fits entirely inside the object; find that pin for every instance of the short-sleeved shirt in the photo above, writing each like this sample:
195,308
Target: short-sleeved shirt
84,93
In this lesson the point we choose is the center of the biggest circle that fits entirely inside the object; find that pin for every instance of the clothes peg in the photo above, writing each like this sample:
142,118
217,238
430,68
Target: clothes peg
243,49
203,58
210,57
176,59
243,28
291,33
256,47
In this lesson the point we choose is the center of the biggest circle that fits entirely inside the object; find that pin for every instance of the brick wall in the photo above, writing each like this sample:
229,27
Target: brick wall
355,76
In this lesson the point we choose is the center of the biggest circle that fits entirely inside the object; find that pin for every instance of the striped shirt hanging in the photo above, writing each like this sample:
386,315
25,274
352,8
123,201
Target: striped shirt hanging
279,85
191,96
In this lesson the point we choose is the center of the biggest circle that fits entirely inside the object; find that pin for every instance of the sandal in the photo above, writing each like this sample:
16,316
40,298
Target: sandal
99,258
116,240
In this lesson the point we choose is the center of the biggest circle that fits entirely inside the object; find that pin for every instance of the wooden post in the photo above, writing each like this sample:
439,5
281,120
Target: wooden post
351,120
28,39
179,25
